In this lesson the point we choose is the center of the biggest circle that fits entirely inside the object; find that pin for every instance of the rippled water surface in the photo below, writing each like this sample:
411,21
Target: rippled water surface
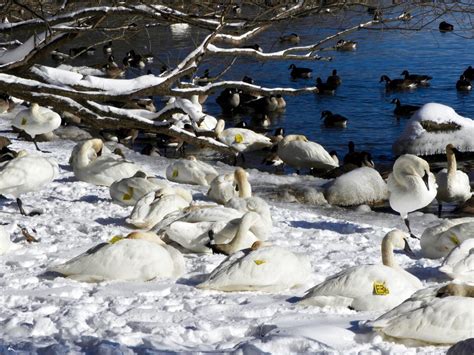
361,98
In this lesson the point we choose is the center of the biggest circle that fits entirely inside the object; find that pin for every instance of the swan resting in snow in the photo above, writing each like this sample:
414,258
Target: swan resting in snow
260,268
357,187
141,256
298,152
433,127
436,315
453,184
206,229
191,171
437,241
91,163
156,205
36,120
368,287
459,264
128,191
225,187
26,173
411,186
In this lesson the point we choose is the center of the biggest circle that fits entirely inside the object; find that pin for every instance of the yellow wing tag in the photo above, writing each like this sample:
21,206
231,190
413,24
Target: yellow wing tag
128,195
238,138
175,173
454,239
115,239
380,289
24,120
259,262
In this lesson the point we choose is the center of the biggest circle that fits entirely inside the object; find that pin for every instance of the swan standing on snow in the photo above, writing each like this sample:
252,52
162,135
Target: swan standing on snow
269,269
459,264
156,205
411,185
91,164
369,287
191,171
129,190
241,139
225,187
453,184
37,120
138,257
435,315
298,152
437,241
26,173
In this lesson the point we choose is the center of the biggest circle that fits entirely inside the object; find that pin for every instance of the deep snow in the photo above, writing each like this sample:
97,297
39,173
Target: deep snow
41,311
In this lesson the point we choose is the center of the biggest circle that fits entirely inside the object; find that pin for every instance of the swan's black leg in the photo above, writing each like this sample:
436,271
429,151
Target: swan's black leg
407,223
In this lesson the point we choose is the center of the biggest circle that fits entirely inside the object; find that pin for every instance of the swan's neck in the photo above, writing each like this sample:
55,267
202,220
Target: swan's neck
83,157
34,109
388,258
219,127
245,189
247,221
452,166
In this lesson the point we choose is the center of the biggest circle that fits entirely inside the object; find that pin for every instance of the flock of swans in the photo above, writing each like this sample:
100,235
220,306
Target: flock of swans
235,222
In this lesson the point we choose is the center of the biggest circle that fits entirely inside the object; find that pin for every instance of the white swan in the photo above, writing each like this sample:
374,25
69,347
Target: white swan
269,269
357,187
298,152
437,241
26,173
37,120
435,315
191,171
91,164
138,257
459,264
241,139
5,243
195,229
129,190
156,205
453,184
411,186
224,187
369,287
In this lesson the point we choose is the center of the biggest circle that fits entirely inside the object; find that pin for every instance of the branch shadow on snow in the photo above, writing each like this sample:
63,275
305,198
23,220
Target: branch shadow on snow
192,281
93,199
110,220
339,227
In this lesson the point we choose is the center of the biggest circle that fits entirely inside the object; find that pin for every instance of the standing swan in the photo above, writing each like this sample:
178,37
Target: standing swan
37,120
141,256
298,152
269,269
91,164
369,287
26,173
453,184
411,185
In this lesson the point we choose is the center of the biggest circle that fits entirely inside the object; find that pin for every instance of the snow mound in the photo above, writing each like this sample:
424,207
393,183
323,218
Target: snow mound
431,128
357,187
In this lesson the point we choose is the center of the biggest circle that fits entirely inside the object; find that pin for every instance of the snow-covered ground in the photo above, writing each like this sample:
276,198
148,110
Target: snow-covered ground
38,311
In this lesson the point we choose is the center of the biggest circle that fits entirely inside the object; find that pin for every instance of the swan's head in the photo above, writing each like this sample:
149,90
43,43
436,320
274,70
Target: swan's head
409,164
22,153
192,158
397,240
451,150
294,137
220,126
149,236
96,144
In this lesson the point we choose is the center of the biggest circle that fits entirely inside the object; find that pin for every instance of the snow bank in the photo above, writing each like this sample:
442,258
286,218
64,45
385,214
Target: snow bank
431,128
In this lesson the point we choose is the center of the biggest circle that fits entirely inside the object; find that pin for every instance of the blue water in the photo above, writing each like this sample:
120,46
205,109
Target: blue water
361,98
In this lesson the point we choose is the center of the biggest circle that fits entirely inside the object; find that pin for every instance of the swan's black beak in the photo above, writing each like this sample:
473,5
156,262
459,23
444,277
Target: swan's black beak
408,250
426,180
